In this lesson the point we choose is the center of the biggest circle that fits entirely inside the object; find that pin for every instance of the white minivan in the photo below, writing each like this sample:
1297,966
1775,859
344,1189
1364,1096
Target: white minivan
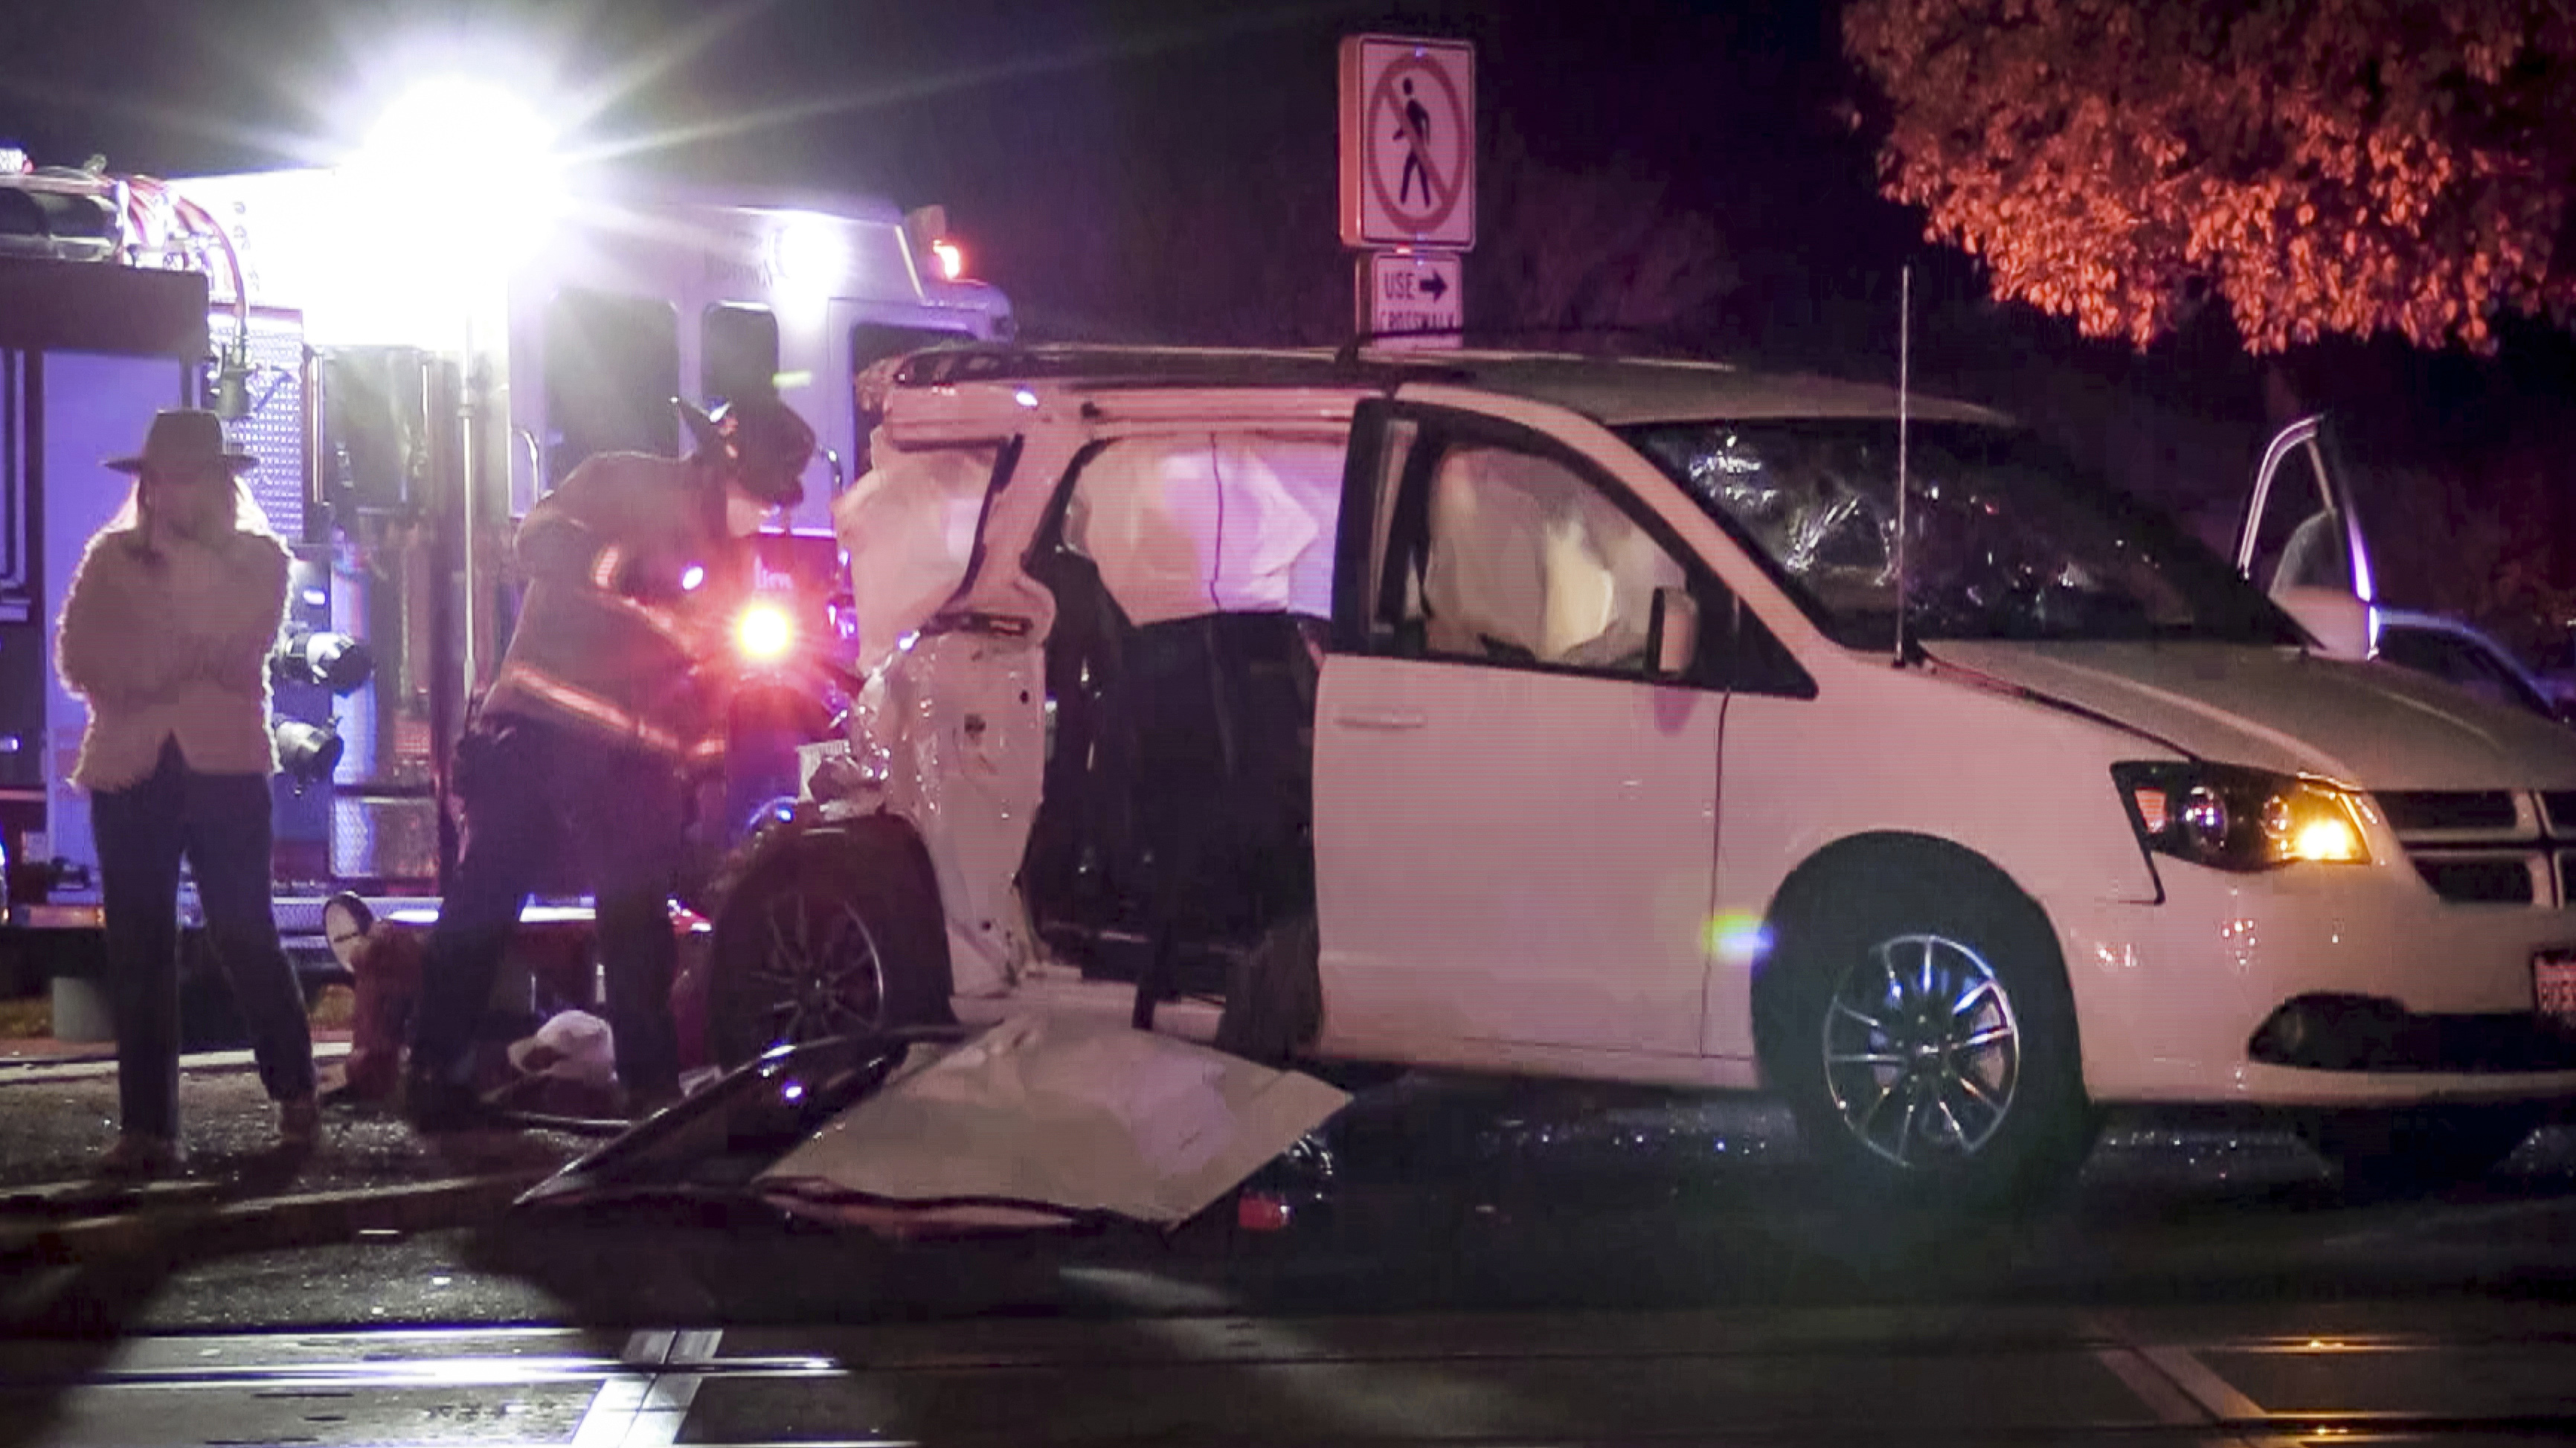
1626,720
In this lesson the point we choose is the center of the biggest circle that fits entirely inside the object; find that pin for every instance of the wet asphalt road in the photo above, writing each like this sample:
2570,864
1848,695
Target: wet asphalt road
1488,1266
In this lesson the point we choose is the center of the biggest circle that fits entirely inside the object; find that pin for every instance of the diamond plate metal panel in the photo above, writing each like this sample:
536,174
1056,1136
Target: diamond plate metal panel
384,839
274,430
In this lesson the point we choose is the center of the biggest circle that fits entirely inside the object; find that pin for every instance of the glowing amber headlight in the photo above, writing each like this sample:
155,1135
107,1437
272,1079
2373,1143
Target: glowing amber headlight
2233,818
2332,840
764,633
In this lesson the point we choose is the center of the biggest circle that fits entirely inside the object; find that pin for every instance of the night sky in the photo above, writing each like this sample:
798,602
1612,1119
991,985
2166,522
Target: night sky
1039,125
1164,169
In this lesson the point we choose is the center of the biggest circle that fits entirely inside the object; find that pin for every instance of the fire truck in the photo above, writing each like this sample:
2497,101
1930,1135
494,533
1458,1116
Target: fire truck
414,361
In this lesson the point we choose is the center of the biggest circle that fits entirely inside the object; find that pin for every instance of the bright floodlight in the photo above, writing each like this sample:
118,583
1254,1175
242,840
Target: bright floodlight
454,119
808,254
463,170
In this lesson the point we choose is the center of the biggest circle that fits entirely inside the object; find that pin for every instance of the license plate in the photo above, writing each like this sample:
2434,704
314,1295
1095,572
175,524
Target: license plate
2553,985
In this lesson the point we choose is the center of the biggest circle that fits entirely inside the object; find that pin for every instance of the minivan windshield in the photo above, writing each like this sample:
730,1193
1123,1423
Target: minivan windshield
2007,539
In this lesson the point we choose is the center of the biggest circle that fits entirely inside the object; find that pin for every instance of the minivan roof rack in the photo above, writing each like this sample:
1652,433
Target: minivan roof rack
1623,342
1205,366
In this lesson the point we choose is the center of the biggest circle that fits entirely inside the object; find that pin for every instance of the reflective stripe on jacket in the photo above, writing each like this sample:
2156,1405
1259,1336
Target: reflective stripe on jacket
587,653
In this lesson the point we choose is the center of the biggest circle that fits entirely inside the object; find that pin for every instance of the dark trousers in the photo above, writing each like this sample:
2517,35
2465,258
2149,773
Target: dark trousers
220,823
537,787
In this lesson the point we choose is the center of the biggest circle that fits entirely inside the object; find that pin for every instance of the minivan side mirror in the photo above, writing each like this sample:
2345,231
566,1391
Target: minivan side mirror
1672,634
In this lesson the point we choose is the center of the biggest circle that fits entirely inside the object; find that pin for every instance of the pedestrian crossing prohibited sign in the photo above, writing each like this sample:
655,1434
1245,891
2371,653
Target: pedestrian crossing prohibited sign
1408,142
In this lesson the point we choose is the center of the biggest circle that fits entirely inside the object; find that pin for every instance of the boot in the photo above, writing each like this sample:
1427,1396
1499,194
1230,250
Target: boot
299,1122
137,1156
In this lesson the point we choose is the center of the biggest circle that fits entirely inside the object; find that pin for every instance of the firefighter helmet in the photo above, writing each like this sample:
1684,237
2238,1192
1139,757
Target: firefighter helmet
758,444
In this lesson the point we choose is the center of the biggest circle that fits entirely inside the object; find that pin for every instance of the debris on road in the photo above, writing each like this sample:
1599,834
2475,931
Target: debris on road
1036,1122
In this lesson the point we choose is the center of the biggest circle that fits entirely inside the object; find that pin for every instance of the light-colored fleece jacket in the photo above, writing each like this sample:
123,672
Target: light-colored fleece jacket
174,649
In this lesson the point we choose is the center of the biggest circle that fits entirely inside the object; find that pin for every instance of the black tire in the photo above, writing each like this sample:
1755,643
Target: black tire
2383,1154
828,933
1924,1035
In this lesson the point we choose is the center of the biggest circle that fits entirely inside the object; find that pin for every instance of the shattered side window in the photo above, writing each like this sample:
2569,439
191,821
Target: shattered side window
2004,539
1211,523
1528,563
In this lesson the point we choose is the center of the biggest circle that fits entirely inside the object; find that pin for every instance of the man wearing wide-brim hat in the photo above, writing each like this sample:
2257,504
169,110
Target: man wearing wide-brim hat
592,730
165,634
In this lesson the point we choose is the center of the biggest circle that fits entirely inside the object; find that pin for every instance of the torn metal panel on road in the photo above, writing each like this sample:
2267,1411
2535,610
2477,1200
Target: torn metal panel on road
1060,1112
1038,1121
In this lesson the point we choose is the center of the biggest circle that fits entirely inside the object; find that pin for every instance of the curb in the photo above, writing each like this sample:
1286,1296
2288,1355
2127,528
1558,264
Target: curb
40,1070
266,1223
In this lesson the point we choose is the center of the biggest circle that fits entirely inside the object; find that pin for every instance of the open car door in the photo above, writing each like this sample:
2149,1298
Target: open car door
1516,750
2302,540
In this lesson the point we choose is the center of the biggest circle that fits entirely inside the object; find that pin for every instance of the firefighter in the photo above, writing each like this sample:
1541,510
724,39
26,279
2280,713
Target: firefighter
604,708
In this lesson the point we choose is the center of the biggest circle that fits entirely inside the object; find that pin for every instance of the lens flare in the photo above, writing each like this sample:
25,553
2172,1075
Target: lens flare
764,632
1738,937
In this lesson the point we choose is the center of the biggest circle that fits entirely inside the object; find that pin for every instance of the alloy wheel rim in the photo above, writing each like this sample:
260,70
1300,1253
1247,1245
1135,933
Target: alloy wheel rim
1922,1052
820,973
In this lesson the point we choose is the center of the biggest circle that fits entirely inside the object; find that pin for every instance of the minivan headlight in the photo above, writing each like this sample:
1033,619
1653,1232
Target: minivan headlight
2232,818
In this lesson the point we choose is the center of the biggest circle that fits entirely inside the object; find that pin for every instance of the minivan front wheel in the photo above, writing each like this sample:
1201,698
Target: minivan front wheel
832,935
1928,1046
1921,1050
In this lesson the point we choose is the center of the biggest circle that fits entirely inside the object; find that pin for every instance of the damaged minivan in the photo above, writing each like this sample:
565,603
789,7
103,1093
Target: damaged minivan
1627,720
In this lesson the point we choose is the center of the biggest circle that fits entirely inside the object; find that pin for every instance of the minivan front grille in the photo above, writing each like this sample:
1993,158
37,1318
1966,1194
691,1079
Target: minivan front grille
2558,807
2480,882
2488,847
2413,810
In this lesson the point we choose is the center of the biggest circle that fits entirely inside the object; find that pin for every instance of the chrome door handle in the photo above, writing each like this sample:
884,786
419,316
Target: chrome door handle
1388,722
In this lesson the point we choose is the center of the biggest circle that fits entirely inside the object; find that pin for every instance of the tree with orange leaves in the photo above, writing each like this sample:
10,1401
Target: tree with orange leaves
2316,166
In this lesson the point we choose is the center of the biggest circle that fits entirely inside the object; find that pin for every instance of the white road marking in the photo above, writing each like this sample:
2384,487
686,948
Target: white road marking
647,1409
2162,1396
2207,1388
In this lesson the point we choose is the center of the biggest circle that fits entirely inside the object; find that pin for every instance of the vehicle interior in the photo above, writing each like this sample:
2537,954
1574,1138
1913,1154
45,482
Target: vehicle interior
1175,827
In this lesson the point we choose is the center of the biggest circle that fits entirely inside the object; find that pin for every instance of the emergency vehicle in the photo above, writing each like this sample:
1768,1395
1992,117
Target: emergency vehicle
414,363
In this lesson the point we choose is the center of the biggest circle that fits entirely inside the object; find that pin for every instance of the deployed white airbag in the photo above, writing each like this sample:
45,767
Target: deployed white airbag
1196,524
909,529
1525,556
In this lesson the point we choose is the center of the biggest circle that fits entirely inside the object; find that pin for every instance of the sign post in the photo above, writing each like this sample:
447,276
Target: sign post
1408,179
